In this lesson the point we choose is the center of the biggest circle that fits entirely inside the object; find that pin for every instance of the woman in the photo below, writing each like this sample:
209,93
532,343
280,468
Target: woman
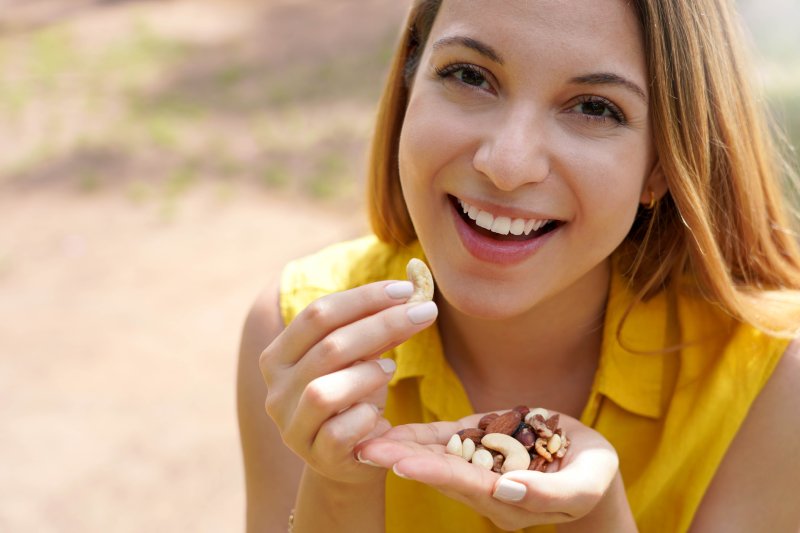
593,187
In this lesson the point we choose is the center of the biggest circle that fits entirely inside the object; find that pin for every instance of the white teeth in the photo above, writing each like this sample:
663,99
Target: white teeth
485,220
500,224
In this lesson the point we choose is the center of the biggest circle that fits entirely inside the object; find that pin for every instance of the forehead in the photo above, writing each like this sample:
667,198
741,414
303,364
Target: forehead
586,34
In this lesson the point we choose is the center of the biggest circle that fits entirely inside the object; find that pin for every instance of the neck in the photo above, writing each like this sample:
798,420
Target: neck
546,356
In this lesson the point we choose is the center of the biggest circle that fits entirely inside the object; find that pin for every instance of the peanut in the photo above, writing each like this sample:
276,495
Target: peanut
468,449
454,445
554,444
483,458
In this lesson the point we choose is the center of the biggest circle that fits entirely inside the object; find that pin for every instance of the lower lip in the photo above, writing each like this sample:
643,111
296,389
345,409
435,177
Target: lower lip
498,252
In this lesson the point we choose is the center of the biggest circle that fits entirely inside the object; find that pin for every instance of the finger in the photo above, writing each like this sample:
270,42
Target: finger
432,433
339,435
366,338
469,484
330,394
574,489
428,464
330,312
452,476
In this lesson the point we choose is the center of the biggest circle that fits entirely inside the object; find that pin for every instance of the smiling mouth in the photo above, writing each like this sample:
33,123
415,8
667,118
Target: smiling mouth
502,228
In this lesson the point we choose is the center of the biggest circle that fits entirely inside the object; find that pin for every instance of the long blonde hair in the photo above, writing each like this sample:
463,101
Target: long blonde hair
723,224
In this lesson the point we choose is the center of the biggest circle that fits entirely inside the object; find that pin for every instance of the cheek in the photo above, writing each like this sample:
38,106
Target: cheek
607,184
611,178
426,145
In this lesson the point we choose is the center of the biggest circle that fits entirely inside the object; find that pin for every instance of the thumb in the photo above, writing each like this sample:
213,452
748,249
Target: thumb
574,490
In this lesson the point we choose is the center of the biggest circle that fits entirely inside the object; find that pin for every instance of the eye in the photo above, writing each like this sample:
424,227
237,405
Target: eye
465,74
596,108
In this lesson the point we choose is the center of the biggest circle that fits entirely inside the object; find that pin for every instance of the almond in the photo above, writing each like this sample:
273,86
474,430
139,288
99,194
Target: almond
473,434
486,419
506,424
522,410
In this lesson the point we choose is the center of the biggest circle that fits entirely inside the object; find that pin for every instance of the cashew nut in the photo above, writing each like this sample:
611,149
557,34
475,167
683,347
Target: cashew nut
419,274
517,457
541,448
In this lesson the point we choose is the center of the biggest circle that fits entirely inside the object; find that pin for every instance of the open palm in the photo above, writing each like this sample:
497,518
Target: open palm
568,490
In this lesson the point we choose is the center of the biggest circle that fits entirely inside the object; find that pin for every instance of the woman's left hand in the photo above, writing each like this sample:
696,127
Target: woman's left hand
567,492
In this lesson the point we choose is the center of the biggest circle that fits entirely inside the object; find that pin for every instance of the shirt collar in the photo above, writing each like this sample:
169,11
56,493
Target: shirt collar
633,363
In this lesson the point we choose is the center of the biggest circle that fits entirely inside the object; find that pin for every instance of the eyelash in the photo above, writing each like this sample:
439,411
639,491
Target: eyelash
448,71
616,112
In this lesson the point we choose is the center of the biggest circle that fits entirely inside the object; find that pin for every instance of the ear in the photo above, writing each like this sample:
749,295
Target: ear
655,182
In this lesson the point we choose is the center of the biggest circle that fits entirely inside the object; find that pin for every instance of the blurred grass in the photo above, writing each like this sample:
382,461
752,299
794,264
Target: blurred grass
147,112
153,115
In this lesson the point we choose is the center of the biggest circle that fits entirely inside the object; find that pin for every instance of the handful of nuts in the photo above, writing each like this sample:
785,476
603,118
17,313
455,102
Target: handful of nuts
521,439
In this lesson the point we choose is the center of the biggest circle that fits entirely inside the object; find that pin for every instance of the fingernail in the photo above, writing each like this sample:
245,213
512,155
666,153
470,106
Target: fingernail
398,474
424,312
388,365
400,289
509,491
365,461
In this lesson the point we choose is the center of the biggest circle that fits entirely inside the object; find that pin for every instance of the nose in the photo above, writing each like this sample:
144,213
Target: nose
514,150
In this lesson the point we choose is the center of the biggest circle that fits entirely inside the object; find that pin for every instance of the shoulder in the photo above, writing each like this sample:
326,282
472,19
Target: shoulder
339,267
265,458
752,487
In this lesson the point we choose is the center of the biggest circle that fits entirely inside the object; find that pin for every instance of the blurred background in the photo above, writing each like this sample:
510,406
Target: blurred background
160,161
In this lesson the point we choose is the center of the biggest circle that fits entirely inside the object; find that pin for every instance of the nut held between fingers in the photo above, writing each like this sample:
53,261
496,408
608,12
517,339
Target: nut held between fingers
419,274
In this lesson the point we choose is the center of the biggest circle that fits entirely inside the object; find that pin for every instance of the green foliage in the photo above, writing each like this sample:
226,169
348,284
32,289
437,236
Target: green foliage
275,176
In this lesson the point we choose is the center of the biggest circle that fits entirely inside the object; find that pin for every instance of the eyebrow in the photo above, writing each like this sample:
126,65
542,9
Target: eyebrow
598,78
482,48
608,78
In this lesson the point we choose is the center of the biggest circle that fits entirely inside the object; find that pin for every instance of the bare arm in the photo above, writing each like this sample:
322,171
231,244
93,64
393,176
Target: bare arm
323,388
756,486
272,471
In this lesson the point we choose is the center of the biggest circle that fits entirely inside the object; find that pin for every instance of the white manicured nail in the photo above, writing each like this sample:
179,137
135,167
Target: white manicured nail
398,474
424,312
365,461
400,289
509,491
388,365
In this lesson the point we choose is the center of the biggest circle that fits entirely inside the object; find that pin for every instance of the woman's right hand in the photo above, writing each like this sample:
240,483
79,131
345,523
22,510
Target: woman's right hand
326,386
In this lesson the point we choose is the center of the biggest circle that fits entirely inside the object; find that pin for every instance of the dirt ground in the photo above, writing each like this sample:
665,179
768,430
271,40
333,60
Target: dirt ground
118,335
146,196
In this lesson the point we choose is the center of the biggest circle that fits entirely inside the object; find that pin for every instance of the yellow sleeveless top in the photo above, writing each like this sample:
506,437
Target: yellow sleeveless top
669,415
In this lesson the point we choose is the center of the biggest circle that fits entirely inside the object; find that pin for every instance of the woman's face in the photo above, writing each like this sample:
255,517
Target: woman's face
532,116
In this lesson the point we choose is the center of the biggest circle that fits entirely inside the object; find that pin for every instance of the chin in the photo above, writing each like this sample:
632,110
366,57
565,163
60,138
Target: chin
490,304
